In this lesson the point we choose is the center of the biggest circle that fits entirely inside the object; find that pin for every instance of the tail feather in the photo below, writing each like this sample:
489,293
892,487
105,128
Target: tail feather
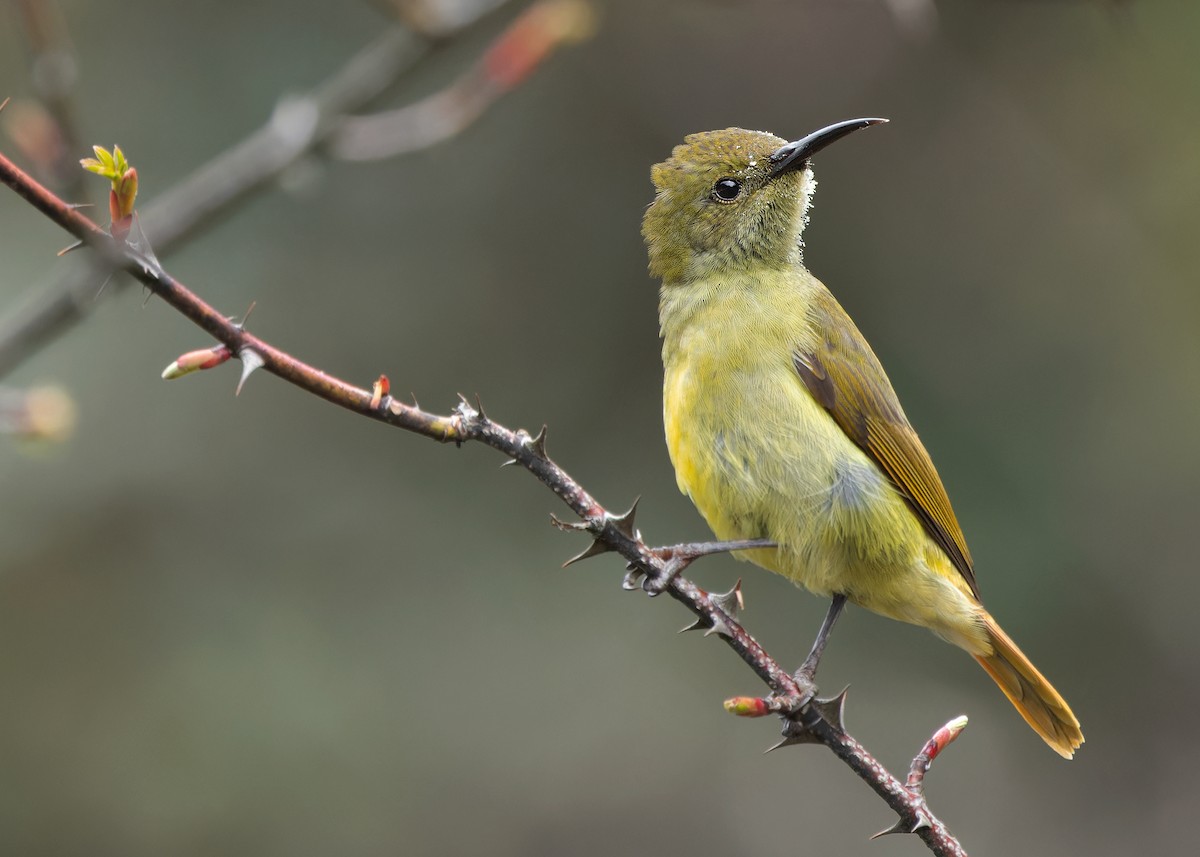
1027,689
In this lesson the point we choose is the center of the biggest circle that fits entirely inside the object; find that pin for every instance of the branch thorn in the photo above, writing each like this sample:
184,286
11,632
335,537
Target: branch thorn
596,548
72,246
538,443
732,601
251,361
902,825
241,325
788,741
624,522
832,709
699,625
719,626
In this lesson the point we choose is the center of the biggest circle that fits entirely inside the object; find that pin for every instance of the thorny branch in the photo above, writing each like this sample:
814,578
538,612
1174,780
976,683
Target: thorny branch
318,121
806,720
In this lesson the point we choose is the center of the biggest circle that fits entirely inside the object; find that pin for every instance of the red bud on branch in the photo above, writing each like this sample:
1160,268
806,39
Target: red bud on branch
749,706
114,167
380,390
194,361
941,739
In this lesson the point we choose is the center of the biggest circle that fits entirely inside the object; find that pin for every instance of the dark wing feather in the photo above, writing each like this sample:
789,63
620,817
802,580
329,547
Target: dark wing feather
846,379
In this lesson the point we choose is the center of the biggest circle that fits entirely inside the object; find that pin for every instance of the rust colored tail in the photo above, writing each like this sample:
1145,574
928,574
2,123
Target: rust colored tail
1027,689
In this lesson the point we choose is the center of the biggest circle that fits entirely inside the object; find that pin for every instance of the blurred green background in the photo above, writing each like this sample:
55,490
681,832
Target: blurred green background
263,626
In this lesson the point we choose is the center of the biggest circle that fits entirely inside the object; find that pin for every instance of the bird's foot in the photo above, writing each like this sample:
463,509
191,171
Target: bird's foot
805,679
679,557
803,713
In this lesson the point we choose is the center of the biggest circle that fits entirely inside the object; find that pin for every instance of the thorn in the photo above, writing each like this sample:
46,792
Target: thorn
251,361
898,827
479,407
788,741
77,206
100,291
731,602
699,625
901,825
510,462
416,404
632,579
241,325
596,548
538,443
831,710
4,103
624,523
64,251
719,627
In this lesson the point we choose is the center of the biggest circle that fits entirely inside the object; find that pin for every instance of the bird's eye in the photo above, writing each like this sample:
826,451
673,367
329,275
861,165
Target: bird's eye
727,190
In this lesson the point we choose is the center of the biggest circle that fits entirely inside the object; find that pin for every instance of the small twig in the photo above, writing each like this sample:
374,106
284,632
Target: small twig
819,720
528,42
917,816
933,747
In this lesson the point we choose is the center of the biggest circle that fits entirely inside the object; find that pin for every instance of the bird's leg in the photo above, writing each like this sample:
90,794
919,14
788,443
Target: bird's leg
679,557
808,669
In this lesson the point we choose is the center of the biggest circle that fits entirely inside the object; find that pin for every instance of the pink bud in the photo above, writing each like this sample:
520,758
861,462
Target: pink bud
748,706
195,361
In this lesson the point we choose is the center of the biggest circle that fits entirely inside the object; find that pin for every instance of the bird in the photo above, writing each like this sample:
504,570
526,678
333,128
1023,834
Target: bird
781,423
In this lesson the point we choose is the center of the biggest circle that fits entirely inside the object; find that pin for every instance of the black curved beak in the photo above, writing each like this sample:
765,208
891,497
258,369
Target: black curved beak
795,155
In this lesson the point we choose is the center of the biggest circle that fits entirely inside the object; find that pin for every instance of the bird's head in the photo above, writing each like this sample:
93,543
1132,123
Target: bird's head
728,200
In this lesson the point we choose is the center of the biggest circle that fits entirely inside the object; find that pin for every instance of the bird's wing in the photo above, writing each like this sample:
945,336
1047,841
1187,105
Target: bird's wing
845,377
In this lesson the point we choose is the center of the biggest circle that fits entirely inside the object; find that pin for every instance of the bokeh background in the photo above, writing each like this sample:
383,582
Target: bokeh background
262,626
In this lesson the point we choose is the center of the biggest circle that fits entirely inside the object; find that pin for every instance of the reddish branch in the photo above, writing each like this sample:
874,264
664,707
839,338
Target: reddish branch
806,720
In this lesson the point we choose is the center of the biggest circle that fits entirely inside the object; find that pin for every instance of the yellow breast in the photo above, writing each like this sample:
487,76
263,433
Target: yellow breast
759,456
